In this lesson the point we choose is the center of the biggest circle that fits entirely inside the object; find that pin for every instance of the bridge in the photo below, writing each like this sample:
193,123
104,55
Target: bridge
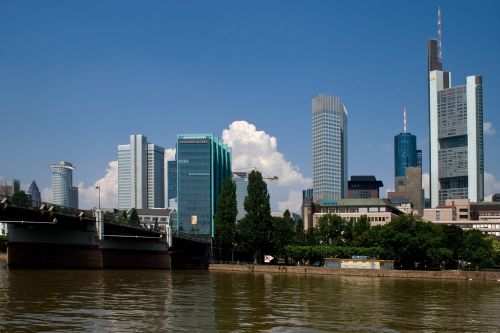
47,235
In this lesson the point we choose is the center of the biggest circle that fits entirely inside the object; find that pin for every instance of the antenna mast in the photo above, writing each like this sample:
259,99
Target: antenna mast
439,35
404,119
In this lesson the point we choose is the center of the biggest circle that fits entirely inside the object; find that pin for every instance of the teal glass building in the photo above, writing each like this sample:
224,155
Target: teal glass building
405,153
203,162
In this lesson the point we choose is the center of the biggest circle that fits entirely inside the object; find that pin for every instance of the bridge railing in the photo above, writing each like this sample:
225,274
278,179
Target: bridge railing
202,238
27,203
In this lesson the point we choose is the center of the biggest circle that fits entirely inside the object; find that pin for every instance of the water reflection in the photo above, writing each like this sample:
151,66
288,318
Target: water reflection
200,301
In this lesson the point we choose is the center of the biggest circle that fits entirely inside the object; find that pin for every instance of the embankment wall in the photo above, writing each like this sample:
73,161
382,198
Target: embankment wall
400,274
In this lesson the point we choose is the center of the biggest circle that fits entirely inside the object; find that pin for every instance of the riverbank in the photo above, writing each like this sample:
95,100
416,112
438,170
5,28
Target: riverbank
3,257
398,274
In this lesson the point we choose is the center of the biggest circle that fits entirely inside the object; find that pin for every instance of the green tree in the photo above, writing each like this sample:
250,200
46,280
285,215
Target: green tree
123,218
20,198
478,249
283,232
361,225
299,237
329,229
255,228
134,218
3,243
225,216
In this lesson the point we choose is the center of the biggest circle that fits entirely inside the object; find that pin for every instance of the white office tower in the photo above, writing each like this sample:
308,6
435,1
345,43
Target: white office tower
63,191
329,131
455,132
456,139
141,174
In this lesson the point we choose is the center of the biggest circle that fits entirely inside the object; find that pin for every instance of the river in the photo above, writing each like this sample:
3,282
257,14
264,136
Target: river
202,301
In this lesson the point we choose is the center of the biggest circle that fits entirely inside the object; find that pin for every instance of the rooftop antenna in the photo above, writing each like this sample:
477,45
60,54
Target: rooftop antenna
439,35
404,119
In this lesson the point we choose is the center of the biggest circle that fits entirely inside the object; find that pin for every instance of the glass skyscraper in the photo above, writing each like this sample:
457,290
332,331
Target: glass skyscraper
63,191
172,179
203,162
405,153
329,131
141,175
241,181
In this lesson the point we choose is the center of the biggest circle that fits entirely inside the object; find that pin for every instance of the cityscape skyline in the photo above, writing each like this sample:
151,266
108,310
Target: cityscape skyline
277,77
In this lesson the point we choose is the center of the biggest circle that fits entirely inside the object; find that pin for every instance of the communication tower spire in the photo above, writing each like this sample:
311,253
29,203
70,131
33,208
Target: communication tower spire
404,119
439,35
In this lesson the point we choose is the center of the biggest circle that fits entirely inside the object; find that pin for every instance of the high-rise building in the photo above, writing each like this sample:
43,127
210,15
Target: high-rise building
456,133
408,167
405,153
34,193
63,191
329,131
141,174
9,187
241,181
172,180
203,162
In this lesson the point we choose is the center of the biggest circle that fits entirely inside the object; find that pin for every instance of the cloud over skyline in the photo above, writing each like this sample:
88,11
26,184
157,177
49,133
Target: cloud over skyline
488,128
251,149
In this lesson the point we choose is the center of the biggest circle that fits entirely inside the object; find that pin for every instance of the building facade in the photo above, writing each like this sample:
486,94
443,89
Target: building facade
456,133
34,194
141,175
456,155
405,153
171,180
63,191
483,216
9,187
241,181
378,211
364,187
203,162
329,131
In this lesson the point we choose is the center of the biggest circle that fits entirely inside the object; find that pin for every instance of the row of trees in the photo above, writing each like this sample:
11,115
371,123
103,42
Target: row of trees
409,241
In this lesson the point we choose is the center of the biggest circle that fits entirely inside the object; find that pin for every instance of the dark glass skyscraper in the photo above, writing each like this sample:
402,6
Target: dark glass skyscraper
172,179
203,162
405,153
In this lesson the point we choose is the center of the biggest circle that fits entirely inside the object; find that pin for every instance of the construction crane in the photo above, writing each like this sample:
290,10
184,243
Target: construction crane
244,174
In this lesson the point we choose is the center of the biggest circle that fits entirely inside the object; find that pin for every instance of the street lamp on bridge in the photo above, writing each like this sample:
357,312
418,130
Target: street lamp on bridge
99,188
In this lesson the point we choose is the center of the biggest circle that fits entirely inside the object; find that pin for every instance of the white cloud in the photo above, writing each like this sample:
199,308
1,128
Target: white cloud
491,185
257,149
488,128
169,154
426,181
387,192
89,196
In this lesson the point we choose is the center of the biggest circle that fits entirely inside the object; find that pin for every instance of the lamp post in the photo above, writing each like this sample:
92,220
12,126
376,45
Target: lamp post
99,189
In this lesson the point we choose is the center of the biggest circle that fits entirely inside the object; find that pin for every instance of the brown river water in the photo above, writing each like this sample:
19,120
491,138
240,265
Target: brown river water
202,301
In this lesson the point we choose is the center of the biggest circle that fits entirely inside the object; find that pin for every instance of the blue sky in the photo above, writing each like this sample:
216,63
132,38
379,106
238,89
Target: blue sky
78,77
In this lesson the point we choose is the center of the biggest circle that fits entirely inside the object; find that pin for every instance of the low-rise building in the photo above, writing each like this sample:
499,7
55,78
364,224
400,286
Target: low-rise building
360,187
484,216
3,229
378,211
162,217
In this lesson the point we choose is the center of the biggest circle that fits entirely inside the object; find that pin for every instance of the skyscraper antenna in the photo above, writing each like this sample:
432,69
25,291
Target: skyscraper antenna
439,35
404,119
